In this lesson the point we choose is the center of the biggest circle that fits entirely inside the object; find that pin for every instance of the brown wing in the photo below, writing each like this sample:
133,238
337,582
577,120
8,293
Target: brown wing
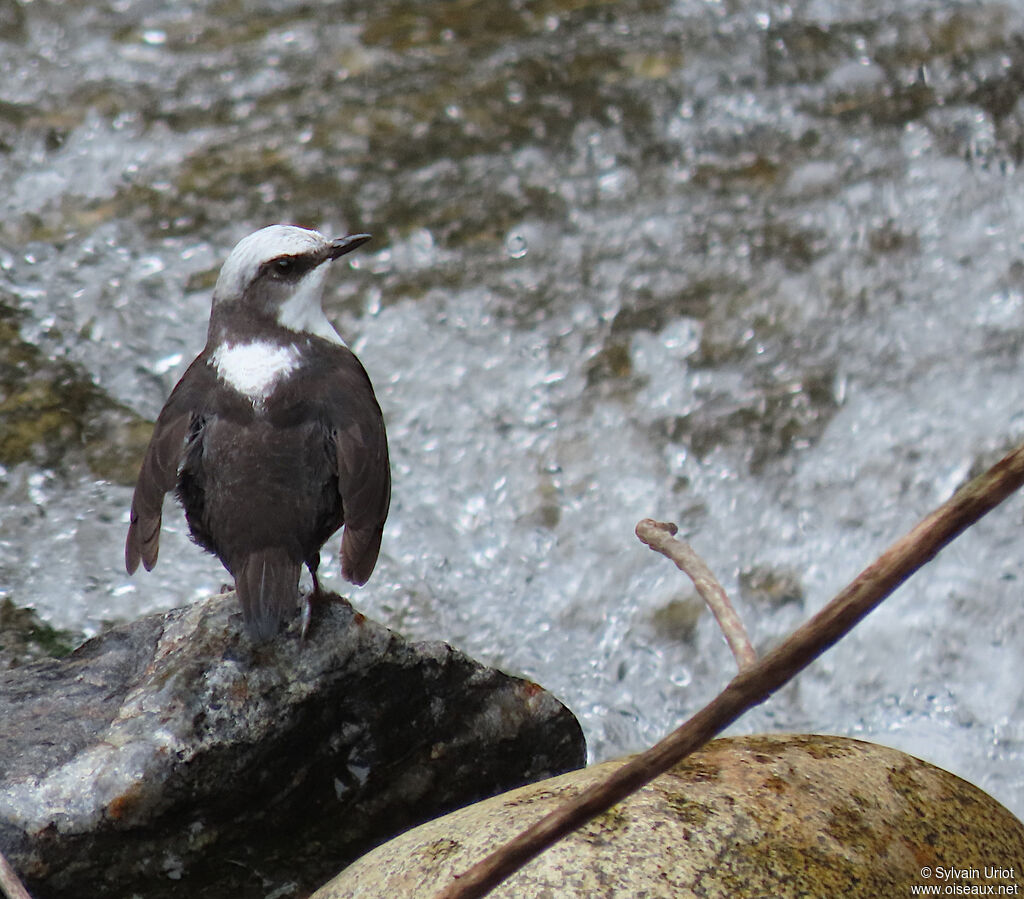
160,465
356,429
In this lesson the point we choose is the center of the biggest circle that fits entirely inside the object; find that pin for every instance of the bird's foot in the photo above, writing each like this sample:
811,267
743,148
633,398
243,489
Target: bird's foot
314,596
314,603
306,615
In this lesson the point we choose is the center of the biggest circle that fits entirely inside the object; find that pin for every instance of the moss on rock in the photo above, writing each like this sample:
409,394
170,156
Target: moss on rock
49,408
782,815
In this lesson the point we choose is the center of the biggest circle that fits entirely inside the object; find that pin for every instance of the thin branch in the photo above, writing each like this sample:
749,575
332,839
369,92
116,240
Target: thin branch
10,883
755,684
661,537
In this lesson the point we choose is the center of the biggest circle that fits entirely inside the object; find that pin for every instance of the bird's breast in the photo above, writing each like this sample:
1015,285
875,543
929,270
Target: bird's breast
255,368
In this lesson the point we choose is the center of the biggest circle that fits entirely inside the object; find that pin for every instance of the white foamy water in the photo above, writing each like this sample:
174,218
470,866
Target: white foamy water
791,329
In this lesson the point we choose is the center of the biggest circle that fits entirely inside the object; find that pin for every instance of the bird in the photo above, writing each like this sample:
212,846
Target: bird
273,439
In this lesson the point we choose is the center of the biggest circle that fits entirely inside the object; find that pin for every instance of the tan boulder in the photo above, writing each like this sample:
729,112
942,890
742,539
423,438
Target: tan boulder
778,815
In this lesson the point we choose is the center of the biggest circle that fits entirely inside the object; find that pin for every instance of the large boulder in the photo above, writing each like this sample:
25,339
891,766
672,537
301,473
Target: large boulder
744,818
171,757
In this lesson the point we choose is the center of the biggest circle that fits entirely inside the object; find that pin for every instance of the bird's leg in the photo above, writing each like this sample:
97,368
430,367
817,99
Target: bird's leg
310,598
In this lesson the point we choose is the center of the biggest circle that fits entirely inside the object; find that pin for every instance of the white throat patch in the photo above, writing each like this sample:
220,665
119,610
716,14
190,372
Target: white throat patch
254,369
303,312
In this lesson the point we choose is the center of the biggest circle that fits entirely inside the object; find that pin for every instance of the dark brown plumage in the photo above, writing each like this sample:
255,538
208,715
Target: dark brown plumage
272,440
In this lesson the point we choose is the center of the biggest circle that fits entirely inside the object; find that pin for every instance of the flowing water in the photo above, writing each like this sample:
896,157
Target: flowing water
755,268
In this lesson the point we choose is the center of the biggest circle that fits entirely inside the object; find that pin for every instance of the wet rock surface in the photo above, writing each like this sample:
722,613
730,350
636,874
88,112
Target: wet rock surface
171,757
780,815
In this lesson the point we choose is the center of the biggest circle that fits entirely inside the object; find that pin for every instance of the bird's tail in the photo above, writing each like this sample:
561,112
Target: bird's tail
267,583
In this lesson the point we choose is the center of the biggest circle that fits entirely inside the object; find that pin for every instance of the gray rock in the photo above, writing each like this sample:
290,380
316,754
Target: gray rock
171,757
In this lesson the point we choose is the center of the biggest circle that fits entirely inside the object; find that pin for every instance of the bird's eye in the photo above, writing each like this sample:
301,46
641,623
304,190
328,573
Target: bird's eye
284,266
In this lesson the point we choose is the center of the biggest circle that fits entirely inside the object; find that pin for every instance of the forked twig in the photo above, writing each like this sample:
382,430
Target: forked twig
755,684
10,883
661,537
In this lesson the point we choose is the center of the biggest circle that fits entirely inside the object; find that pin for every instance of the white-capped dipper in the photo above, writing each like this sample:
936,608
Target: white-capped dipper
272,439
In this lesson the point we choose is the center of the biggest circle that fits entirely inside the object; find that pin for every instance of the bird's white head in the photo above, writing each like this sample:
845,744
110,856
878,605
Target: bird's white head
278,272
